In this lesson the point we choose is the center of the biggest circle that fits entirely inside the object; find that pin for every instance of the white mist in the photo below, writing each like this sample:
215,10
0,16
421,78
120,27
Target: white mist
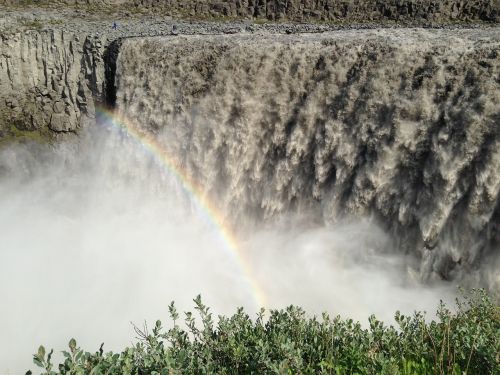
95,235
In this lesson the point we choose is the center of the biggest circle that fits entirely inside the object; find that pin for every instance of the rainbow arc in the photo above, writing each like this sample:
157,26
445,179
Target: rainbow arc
205,206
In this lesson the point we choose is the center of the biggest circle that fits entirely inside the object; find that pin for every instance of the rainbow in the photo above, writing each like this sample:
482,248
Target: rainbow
196,193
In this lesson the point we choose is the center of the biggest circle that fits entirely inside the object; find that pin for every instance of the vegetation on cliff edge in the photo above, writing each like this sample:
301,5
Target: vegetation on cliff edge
464,341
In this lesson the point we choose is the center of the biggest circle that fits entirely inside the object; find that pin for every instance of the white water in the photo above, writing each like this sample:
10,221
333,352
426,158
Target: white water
96,235
401,124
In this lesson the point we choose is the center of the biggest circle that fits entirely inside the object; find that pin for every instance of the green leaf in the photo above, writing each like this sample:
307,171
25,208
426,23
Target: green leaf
41,352
37,362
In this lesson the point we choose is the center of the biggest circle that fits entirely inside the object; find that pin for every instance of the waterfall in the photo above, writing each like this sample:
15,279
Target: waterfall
402,127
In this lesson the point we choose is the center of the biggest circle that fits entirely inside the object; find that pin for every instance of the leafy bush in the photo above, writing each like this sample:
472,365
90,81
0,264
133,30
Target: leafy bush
288,342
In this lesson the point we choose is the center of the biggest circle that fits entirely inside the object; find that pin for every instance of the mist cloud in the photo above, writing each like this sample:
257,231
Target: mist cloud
95,234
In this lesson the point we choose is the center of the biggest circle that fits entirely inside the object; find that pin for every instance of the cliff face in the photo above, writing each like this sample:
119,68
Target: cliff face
348,10
48,80
399,125
408,11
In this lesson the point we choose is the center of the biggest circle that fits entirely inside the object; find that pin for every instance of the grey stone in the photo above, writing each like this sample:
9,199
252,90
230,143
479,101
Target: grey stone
45,70
59,107
59,123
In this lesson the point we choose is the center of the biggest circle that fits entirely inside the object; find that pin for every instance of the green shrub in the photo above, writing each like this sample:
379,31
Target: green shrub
288,342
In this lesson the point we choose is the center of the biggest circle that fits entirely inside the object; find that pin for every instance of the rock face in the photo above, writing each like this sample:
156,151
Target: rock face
49,80
401,125
408,11
328,10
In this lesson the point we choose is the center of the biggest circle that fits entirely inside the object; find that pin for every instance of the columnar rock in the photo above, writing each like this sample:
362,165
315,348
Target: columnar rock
400,125
348,10
407,11
48,79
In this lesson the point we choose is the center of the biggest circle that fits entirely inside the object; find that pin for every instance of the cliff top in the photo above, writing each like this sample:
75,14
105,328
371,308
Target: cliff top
90,21
38,14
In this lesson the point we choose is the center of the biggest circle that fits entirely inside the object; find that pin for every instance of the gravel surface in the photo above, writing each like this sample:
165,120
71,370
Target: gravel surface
130,25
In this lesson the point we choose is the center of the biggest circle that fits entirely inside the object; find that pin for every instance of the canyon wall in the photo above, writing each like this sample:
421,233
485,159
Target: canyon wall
399,125
330,10
407,11
49,80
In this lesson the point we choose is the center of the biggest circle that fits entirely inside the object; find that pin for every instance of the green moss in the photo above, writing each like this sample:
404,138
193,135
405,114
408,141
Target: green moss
14,135
30,24
261,21
208,18
56,22
22,3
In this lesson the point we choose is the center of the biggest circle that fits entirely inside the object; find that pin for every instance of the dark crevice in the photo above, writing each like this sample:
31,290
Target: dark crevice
110,57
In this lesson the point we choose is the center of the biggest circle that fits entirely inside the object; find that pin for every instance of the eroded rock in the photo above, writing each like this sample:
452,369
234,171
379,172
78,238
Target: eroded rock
47,73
